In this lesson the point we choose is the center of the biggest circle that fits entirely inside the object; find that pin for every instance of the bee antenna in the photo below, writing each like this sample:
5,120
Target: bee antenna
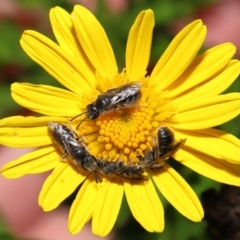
80,123
77,116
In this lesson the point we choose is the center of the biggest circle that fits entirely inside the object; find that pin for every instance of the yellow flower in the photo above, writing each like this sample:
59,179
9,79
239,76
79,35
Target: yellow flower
182,92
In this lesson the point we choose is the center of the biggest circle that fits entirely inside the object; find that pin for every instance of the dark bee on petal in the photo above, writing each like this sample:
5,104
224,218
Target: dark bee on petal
164,148
71,146
118,168
122,97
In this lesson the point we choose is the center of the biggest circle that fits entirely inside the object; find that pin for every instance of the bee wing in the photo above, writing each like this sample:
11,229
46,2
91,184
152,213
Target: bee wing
124,92
124,86
64,148
174,149
69,143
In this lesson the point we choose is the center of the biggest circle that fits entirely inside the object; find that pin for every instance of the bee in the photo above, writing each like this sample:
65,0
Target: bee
70,145
164,148
118,168
122,97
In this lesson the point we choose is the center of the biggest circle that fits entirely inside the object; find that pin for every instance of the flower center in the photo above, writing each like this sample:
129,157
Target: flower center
127,133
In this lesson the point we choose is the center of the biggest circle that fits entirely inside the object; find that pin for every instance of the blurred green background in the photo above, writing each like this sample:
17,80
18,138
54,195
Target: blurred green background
16,66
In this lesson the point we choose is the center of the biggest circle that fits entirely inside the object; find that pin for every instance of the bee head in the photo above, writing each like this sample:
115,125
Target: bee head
89,163
91,111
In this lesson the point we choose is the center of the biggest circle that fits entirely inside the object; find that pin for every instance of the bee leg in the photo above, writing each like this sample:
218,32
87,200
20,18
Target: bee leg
81,140
137,106
97,178
73,132
63,158
76,136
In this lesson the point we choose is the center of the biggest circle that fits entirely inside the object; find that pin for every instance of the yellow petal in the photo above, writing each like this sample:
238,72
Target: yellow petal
37,161
145,205
139,45
19,131
106,208
82,208
24,137
59,185
46,99
207,112
20,121
178,55
204,67
223,135
219,84
185,108
213,168
213,142
177,191
55,61
212,86
94,41
64,32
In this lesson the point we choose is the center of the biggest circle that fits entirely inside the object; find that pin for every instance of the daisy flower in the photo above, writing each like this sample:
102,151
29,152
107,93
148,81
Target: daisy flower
182,93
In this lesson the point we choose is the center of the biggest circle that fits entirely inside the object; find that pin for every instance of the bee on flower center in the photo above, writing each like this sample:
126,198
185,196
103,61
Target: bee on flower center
71,146
122,97
164,148
118,168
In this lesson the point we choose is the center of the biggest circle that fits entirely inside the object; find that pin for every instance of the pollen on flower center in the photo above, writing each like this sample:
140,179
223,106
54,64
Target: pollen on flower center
125,133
